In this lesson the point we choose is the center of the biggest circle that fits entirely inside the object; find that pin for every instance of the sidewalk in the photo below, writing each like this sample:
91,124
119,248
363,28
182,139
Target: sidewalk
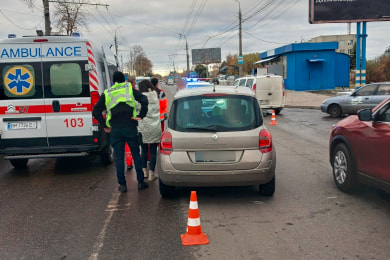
305,99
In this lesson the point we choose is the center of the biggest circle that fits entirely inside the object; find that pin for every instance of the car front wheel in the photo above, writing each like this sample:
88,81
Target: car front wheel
344,169
334,111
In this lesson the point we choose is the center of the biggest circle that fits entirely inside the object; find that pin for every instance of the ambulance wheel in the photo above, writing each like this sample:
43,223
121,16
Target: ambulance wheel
107,155
277,111
19,163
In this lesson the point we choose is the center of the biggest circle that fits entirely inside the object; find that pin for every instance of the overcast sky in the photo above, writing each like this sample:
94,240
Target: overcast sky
157,26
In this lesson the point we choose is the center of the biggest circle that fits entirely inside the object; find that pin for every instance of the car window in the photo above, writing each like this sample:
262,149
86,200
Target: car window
242,82
368,90
236,82
384,114
249,83
383,89
219,113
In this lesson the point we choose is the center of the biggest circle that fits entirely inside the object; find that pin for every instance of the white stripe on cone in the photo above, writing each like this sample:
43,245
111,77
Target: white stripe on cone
193,205
193,222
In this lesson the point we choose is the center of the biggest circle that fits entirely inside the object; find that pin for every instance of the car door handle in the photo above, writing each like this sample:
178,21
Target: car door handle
366,98
269,94
56,105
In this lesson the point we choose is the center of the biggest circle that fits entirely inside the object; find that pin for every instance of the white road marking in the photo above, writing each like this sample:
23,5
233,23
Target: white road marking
100,239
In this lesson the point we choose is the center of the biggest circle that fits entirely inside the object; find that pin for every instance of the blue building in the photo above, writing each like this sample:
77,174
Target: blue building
308,66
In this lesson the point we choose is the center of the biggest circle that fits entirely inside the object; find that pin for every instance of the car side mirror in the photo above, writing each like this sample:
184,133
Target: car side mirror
265,113
365,115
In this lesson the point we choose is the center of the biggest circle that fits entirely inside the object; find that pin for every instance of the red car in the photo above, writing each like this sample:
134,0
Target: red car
359,149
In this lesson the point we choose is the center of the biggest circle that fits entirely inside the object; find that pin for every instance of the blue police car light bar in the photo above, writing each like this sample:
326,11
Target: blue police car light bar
11,35
192,79
76,34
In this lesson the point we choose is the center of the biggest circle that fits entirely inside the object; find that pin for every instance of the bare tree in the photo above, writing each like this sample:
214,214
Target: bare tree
67,15
139,63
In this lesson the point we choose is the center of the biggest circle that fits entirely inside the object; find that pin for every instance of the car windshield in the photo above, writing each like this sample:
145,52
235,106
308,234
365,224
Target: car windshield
222,113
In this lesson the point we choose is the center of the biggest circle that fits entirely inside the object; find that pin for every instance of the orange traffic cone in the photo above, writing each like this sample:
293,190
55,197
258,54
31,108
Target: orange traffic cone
194,235
273,118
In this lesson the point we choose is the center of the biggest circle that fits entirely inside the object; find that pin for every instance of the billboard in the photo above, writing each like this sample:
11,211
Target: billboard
341,11
206,56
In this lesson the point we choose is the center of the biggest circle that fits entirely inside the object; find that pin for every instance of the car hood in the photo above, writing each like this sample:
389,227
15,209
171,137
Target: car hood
336,99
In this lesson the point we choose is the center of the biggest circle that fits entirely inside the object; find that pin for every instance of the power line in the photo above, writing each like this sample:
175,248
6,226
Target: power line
20,27
77,3
263,39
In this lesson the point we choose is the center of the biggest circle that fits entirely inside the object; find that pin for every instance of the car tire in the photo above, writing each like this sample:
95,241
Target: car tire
334,111
19,163
107,155
344,168
268,189
277,111
165,190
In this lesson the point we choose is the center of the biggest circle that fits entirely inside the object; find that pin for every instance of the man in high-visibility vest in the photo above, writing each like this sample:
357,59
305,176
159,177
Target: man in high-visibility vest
121,122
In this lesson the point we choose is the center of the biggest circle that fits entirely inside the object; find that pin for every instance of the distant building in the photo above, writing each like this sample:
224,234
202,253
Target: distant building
307,66
346,42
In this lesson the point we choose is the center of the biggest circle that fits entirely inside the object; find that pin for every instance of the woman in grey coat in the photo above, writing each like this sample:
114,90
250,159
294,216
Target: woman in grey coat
150,129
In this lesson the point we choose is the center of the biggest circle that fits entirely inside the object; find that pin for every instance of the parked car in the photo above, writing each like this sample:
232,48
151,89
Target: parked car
269,90
359,148
216,136
366,97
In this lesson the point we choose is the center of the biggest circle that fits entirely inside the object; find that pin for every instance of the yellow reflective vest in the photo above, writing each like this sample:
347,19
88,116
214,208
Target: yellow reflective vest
119,92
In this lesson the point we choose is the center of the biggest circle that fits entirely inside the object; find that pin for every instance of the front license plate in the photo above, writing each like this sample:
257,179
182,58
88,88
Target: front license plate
22,125
215,156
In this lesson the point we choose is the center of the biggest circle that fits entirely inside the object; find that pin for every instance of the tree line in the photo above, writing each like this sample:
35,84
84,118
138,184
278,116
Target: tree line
378,69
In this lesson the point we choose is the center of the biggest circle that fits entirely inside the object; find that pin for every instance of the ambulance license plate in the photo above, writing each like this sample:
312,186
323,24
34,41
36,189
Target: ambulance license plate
22,125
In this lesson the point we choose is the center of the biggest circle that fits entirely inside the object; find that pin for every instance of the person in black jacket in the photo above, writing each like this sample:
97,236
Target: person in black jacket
121,123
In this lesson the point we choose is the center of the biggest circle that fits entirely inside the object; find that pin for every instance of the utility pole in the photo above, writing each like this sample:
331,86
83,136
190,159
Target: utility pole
188,60
239,37
188,56
46,11
46,14
116,41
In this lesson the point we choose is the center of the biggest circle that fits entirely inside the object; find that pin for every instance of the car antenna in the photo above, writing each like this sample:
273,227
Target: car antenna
213,87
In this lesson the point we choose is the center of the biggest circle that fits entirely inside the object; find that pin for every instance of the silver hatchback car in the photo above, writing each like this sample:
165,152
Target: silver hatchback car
216,137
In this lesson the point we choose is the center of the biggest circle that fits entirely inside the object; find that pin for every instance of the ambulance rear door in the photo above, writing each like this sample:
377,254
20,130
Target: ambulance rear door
22,106
67,96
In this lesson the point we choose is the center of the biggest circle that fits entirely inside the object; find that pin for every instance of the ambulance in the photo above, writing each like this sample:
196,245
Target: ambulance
48,88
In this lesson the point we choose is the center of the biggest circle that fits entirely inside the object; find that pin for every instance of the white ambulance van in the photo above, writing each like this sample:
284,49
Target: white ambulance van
48,88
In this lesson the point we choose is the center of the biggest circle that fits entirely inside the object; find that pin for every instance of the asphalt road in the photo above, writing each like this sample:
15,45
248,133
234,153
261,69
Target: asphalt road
69,208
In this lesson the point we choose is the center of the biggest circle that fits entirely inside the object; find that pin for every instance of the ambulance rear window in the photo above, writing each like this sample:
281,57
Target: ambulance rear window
65,79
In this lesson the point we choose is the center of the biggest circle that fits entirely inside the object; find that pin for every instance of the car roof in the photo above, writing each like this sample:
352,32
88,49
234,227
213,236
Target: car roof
230,90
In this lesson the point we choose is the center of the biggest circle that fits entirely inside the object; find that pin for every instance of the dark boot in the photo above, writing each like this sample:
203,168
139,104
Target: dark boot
142,185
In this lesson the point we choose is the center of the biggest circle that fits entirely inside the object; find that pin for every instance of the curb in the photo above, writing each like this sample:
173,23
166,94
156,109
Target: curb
303,107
